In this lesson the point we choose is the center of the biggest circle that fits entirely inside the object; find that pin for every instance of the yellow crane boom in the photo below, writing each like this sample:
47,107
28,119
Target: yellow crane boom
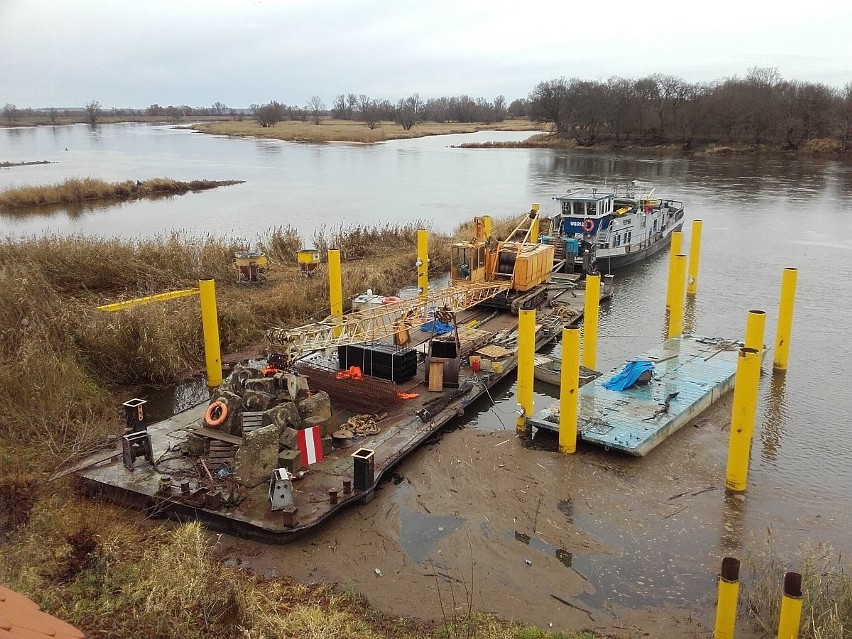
380,322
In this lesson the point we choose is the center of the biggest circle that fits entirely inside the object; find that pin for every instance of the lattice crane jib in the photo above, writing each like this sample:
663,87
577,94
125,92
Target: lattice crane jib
378,323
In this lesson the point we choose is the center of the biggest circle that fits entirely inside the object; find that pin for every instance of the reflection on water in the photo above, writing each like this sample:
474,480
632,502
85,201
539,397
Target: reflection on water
774,417
733,523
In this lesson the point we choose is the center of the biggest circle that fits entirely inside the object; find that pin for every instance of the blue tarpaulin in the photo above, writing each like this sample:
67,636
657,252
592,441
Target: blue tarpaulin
628,375
437,326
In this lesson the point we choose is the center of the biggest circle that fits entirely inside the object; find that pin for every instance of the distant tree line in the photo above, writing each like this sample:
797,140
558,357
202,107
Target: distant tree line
759,109
412,110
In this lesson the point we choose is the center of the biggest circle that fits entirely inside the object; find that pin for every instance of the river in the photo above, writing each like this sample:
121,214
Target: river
760,215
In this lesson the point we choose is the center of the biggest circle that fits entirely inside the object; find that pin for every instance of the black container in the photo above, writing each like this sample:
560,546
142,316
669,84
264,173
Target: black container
134,414
365,475
385,361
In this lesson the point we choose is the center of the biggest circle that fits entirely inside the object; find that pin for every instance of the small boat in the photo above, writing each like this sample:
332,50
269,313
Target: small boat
607,229
549,370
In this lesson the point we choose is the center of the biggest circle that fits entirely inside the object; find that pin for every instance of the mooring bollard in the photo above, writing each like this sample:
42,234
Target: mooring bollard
676,296
210,325
335,289
569,394
755,325
675,249
746,385
726,605
694,256
791,607
591,309
423,263
785,319
526,366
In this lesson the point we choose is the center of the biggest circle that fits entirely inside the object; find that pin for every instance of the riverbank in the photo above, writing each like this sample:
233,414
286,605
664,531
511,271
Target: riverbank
77,191
353,131
819,148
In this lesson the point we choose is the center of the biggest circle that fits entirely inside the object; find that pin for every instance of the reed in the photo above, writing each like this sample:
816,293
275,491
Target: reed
826,591
76,191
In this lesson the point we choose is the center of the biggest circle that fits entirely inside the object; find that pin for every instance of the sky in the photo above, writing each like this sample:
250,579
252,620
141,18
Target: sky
124,53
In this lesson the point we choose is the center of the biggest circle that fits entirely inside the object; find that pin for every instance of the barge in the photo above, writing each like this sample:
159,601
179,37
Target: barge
286,443
689,373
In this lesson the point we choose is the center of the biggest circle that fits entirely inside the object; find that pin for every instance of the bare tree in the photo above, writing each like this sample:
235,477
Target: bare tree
269,114
219,108
316,107
10,113
409,111
93,110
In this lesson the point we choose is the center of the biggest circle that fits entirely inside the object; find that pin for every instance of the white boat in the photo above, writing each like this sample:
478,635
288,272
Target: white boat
606,229
549,370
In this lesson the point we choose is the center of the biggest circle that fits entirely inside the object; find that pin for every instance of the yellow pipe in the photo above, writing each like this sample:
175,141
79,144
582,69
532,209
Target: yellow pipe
676,296
726,605
486,225
535,224
785,319
210,325
335,289
423,263
526,364
791,607
746,386
755,325
590,319
159,297
694,255
677,243
569,390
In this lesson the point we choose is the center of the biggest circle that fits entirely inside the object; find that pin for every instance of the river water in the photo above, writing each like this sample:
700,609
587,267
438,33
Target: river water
760,215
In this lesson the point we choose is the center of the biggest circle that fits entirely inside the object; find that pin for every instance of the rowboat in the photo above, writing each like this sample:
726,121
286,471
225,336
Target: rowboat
549,370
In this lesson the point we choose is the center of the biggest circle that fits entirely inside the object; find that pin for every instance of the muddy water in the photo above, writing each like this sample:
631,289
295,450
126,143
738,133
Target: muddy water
627,538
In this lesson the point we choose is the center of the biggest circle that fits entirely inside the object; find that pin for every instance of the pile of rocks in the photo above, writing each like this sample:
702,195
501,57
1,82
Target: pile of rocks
284,405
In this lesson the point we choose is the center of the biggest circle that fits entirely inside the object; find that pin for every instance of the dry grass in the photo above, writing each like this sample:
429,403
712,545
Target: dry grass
76,191
826,590
108,570
351,131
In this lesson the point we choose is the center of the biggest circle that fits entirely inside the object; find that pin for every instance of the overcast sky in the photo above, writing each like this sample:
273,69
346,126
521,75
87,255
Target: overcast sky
127,53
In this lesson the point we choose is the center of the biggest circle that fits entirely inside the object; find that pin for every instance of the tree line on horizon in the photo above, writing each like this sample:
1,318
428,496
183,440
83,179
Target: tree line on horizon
760,109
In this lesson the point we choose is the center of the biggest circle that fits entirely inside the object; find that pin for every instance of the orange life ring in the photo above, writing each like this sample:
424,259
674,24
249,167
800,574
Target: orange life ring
588,225
391,299
215,422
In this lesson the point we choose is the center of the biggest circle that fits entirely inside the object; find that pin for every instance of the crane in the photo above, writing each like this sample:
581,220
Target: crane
509,274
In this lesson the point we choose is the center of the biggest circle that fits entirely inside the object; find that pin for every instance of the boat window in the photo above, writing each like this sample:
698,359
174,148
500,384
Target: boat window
592,208
627,237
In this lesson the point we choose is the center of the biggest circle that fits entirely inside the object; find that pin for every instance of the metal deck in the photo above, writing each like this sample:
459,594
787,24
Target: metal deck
690,373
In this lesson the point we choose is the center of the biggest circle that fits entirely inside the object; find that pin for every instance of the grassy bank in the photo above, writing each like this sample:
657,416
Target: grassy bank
108,570
826,592
77,191
352,131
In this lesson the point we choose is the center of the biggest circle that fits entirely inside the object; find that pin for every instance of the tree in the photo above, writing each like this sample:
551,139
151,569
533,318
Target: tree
409,111
93,110
316,107
338,107
10,113
518,108
499,108
269,114
219,108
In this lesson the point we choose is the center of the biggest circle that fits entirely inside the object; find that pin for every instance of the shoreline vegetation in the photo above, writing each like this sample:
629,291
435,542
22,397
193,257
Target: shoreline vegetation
353,131
6,165
78,191
67,366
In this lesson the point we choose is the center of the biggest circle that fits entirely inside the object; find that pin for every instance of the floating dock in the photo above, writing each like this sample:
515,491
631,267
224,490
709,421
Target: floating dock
173,479
690,373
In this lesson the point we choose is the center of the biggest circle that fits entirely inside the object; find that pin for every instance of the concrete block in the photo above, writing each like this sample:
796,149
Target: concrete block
284,415
257,400
291,460
257,457
317,405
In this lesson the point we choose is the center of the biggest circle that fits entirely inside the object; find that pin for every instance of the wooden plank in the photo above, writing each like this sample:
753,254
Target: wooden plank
215,434
494,352
436,376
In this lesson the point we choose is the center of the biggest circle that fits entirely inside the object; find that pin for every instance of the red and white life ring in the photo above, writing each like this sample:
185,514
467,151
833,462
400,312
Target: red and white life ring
588,225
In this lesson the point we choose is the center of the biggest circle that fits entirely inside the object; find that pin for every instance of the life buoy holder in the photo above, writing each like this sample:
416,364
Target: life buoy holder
588,225
216,414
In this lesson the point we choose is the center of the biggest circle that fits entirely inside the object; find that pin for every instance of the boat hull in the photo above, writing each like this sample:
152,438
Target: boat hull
608,264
